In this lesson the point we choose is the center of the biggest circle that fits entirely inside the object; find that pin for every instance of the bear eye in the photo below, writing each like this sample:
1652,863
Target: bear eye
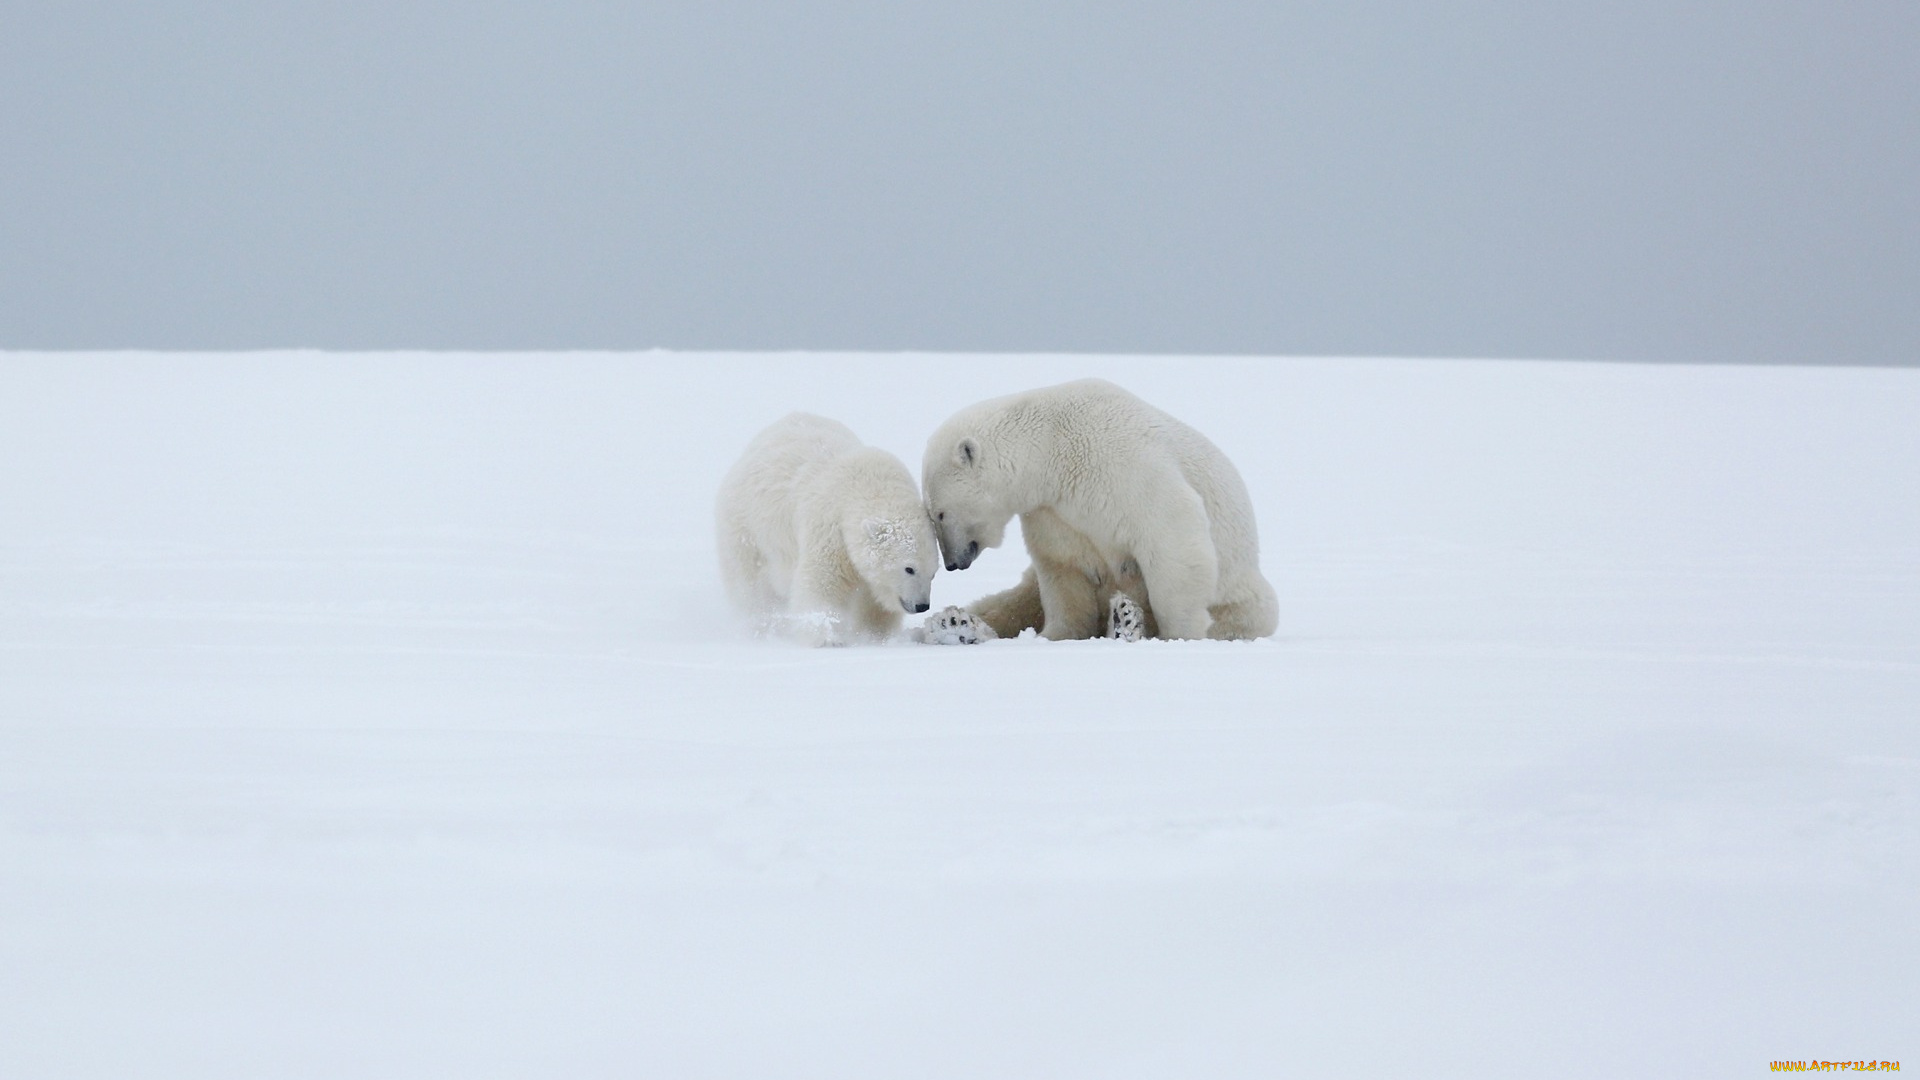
909,569
941,516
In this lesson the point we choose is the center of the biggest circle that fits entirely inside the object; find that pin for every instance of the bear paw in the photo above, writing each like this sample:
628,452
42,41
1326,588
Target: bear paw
1125,620
956,626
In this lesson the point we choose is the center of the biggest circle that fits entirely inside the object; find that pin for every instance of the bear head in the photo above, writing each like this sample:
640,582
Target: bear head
896,555
963,497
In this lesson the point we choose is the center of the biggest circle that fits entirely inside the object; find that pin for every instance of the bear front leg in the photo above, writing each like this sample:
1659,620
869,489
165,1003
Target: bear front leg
871,622
1071,601
815,614
1179,565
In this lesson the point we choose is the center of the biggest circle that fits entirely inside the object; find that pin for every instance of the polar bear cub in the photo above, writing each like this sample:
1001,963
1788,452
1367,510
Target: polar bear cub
1137,525
823,538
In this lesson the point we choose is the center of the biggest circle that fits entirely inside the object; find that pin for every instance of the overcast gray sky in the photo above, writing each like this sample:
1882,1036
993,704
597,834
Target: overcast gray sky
1634,179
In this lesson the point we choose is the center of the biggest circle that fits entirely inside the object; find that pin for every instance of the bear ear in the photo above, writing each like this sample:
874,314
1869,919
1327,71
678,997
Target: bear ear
874,528
966,453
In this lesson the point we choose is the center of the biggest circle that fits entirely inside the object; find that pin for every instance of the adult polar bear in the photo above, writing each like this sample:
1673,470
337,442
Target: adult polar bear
823,537
1118,502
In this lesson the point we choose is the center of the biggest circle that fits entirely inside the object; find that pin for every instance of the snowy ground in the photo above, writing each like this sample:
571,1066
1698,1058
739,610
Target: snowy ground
375,717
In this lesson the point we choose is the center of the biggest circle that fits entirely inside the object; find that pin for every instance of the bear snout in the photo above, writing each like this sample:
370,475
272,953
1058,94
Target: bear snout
966,557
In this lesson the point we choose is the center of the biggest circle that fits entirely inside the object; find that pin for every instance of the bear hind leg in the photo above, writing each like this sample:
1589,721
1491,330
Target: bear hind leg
1015,610
1253,614
1070,599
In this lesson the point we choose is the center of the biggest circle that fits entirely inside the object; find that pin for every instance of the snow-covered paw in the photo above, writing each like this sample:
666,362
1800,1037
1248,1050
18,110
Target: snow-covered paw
955,626
1125,620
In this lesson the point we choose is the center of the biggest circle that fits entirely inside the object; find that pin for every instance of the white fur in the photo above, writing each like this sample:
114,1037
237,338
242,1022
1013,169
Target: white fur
1114,497
817,534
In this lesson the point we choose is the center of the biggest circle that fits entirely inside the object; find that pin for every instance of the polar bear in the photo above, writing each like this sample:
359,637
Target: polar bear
823,537
1137,525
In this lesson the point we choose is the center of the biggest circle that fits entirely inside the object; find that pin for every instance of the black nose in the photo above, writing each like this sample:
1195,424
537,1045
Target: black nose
953,566
920,607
